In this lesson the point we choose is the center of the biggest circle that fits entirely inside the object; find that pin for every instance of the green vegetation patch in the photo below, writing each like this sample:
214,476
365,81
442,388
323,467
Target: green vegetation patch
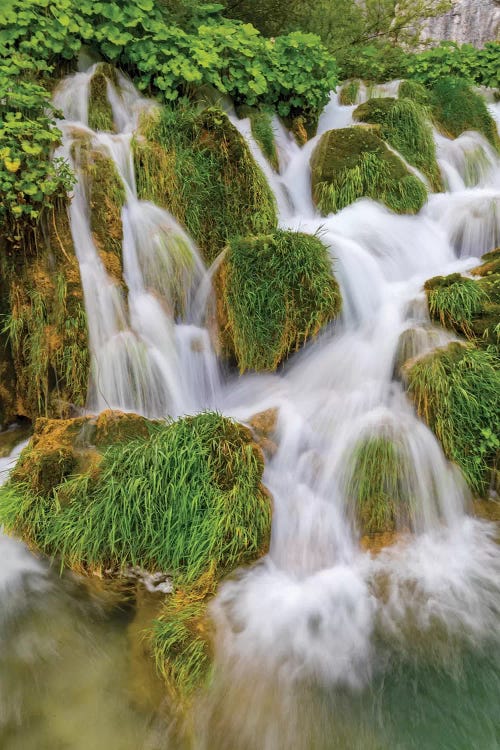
405,125
100,111
275,292
415,91
349,93
378,485
456,390
456,107
199,167
353,163
185,499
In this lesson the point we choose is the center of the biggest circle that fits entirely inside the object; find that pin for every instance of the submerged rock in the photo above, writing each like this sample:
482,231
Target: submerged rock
352,163
273,293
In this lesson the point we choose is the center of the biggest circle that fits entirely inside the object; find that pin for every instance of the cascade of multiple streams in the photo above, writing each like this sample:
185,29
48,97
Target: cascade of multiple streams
308,637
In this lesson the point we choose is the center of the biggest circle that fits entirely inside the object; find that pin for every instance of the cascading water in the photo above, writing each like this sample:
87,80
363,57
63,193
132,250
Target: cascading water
317,624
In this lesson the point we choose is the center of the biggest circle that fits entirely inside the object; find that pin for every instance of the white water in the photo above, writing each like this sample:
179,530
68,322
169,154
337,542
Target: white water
310,610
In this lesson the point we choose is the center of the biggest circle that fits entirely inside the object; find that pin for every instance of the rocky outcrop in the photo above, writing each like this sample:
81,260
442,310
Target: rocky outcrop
472,21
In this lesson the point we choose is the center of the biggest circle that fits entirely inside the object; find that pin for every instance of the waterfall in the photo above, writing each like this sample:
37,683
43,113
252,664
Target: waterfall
312,611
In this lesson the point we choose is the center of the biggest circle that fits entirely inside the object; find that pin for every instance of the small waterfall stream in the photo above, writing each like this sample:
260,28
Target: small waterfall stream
317,617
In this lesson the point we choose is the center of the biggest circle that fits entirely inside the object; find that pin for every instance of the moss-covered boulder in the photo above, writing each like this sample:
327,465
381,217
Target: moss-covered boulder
456,390
106,197
181,497
274,292
352,163
100,113
405,125
348,94
43,346
456,107
198,166
470,307
414,91
378,490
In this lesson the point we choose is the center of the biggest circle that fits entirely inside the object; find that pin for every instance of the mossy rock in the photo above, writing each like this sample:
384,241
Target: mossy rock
352,163
100,112
378,489
45,341
106,197
456,392
182,497
490,264
405,125
198,166
348,94
470,307
456,107
274,292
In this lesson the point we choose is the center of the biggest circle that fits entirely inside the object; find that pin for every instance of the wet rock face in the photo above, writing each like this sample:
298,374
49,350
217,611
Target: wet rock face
472,21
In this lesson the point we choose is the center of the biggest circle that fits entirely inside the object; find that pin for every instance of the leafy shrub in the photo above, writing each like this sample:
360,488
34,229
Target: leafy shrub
276,291
199,167
352,163
293,73
456,108
404,124
30,182
479,66
456,391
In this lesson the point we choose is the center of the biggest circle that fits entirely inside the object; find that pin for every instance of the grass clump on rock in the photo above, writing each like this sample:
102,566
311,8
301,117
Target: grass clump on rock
456,390
184,498
414,91
378,486
404,124
349,93
352,163
198,166
456,107
276,291
100,112
454,301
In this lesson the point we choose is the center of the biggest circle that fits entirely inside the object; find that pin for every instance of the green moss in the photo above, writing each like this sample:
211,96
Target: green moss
100,113
262,131
352,163
186,499
456,391
276,291
414,91
378,485
198,166
456,107
490,264
405,125
349,93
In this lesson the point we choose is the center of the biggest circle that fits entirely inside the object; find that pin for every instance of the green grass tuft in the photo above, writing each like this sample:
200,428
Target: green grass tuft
456,390
454,301
414,91
378,485
456,107
405,125
198,166
353,163
276,292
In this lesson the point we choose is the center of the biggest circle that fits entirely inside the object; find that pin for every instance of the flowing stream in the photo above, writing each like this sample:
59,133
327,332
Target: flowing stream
320,645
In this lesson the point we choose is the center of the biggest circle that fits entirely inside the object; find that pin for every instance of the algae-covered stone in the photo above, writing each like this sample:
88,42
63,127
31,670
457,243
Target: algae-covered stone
198,166
352,163
405,125
456,390
274,292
